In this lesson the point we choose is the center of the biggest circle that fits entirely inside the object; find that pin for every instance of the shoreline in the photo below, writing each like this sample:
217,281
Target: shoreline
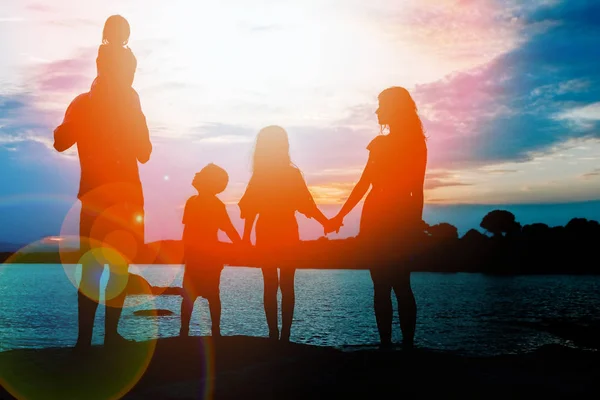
252,367
54,259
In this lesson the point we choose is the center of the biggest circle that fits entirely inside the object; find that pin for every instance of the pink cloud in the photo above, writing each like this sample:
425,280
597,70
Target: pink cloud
71,76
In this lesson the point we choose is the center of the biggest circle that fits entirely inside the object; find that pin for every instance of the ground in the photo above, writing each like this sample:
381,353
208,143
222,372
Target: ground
251,367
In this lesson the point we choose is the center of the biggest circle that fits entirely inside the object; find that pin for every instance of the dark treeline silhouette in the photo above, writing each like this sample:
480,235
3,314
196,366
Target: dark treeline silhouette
506,247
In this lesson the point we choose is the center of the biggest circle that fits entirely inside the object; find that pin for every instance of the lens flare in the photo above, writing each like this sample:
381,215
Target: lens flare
100,373
110,233
207,353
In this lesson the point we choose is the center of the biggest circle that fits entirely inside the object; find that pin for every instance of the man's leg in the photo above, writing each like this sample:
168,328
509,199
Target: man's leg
88,293
125,234
187,306
116,289
87,301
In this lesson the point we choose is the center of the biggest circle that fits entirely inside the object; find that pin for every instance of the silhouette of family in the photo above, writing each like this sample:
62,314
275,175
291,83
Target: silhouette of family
109,129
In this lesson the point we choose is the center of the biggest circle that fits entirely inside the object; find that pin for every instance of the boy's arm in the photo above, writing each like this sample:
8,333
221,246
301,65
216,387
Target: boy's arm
231,232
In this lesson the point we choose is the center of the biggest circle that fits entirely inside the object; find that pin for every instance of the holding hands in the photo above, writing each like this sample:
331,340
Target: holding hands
333,225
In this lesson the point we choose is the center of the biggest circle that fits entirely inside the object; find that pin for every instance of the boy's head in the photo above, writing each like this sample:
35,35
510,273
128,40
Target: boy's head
212,179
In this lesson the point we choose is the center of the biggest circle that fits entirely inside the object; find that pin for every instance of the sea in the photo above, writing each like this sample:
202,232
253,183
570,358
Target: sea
465,313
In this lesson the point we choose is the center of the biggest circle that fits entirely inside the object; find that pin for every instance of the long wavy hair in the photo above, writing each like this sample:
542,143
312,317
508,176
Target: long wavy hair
405,113
271,150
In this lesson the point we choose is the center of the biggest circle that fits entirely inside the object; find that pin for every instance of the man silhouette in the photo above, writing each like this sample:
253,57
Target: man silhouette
109,128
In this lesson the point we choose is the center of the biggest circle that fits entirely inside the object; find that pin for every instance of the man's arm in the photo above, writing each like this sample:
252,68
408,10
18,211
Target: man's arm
65,135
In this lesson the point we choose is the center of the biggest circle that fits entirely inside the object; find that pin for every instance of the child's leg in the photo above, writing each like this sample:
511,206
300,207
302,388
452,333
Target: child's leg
271,285
214,302
288,300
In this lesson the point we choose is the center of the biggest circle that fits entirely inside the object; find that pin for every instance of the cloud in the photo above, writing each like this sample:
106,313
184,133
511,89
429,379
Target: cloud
11,19
67,76
592,174
505,109
582,117
461,33
22,123
500,171
438,179
40,7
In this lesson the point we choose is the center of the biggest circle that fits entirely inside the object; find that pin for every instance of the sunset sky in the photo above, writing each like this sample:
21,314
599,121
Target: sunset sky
509,94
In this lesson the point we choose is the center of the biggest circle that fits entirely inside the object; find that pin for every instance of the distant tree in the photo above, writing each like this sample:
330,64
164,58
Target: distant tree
577,224
536,230
473,235
582,228
515,230
558,232
594,228
443,231
499,222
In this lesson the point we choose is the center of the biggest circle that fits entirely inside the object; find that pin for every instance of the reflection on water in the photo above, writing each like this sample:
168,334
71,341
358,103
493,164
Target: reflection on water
468,313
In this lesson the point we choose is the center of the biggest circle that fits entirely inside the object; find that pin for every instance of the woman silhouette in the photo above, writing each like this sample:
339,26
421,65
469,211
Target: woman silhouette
391,219
275,192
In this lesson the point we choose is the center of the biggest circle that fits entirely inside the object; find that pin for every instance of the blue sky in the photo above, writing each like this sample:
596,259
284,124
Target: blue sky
508,92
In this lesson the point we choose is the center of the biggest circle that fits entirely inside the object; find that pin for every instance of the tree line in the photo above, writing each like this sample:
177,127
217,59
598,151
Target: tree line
508,247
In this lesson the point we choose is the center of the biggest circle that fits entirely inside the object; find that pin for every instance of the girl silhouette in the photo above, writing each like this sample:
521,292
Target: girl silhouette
115,63
391,220
275,192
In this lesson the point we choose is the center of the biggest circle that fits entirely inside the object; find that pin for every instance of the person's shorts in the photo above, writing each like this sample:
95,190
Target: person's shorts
202,280
115,227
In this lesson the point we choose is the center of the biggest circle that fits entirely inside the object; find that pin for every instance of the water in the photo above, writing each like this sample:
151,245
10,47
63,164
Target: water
467,313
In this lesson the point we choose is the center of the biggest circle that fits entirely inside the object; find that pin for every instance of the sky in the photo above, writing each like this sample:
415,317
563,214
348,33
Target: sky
508,92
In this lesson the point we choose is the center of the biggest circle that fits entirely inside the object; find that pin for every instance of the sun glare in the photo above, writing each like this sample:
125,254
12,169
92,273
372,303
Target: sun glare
295,61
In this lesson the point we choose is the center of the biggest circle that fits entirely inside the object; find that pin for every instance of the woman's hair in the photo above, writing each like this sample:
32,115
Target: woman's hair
116,30
398,101
271,150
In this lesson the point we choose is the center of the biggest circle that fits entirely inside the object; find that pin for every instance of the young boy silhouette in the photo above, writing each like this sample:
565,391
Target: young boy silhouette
204,215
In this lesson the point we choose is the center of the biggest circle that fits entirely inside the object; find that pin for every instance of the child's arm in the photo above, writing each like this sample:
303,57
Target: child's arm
248,225
230,230
308,207
249,209
321,218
